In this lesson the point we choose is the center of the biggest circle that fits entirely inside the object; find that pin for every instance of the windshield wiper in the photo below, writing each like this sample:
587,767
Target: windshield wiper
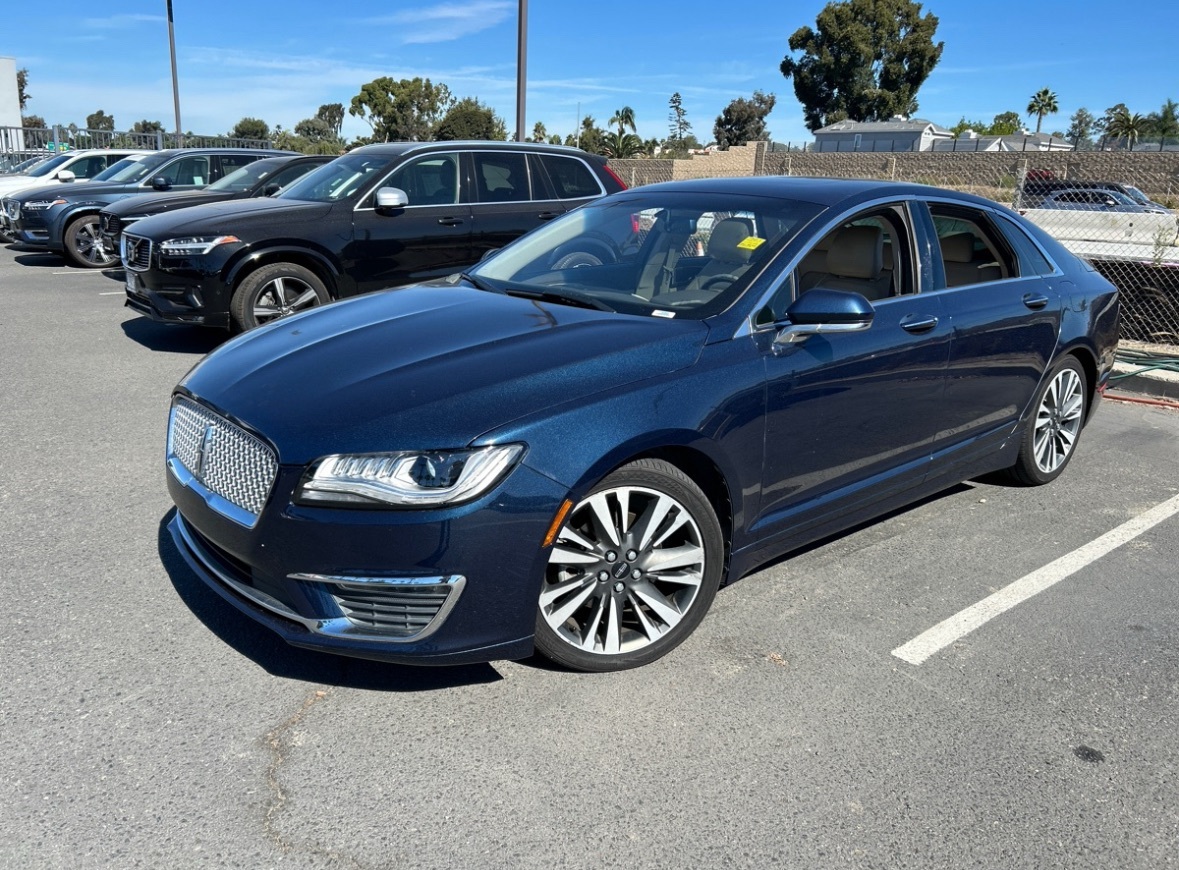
563,297
479,283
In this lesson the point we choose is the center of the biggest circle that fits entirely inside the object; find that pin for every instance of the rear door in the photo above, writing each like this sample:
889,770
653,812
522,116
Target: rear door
1005,316
509,199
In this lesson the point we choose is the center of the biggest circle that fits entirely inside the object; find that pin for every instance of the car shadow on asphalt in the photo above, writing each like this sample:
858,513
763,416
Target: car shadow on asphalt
276,657
167,338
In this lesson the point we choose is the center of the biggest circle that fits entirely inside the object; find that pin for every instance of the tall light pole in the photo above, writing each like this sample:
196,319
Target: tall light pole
175,83
521,66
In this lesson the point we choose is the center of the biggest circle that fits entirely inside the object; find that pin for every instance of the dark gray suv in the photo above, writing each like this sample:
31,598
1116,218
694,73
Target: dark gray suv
64,217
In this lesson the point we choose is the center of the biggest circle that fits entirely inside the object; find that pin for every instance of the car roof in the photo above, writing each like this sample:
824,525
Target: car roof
398,148
821,191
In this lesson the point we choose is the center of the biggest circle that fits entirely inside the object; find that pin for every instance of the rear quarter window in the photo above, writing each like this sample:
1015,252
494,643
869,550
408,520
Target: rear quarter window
571,178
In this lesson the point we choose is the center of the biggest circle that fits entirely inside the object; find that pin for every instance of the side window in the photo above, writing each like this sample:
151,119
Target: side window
973,251
230,162
90,166
431,180
868,254
186,171
1032,260
571,178
286,174
501,177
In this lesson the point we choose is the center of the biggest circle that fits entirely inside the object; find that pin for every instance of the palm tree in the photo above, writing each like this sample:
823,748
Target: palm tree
621,145
1165,122
624,117
1124,125
1043,103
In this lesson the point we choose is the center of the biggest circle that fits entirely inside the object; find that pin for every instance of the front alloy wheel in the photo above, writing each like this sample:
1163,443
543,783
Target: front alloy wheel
633,570
1051,436
274,291
84,246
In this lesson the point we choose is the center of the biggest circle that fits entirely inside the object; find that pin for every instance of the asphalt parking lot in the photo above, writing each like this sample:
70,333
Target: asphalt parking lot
830,711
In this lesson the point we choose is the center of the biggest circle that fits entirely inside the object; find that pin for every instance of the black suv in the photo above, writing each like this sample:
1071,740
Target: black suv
264,177
64,217
380,216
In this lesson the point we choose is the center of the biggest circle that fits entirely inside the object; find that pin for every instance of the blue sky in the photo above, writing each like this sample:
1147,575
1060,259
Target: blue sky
248,59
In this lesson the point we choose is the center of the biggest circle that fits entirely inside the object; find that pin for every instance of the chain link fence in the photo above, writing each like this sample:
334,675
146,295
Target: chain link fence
1118,210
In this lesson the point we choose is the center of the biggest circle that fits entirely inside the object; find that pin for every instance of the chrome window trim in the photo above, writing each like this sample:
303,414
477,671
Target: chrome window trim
410,156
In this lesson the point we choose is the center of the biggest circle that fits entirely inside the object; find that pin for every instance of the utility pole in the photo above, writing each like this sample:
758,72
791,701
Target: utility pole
521,66
175,83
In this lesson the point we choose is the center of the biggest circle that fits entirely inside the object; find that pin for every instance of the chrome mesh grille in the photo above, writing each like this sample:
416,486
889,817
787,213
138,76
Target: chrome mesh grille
136,252
395,610
224,458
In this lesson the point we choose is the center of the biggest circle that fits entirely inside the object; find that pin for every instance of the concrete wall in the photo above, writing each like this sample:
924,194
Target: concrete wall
989,174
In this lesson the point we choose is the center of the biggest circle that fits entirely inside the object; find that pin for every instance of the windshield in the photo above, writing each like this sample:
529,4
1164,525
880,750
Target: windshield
49,165
662,254
245,177
341,179
1137,195
117,167
131,168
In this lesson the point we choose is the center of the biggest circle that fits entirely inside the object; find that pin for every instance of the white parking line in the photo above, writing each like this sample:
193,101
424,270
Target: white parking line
961,624
112,293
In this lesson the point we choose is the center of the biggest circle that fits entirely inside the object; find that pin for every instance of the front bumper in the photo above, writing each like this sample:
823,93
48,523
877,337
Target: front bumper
172,301
451,586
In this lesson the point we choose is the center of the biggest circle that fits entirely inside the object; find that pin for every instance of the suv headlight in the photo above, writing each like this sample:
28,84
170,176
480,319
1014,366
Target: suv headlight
40,204
407,479
194,246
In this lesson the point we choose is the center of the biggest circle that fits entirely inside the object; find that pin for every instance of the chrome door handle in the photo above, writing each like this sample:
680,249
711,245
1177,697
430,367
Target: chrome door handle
1035,301
918,323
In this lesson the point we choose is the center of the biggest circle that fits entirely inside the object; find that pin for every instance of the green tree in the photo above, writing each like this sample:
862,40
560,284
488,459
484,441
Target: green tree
864,60
470,119
331,114
677,118
1081,127
33,122
146,126
590,138
539,133
963,125
1005,124
1124,124
404,110
622,145
743,120
100,120
624,118
22,85
1165,122
250,128
1043,102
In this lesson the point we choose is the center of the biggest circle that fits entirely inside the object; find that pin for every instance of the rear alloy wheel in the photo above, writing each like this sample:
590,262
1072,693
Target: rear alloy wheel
1051,437
275,291
83,244
633,570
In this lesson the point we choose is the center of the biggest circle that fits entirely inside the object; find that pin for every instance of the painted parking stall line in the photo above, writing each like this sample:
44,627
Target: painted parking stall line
949,631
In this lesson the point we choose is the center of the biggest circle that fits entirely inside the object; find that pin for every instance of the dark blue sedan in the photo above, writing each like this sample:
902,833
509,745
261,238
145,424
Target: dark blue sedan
572,446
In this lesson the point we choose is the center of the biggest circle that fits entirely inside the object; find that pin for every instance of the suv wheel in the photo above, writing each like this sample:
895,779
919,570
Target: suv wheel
275,291
84,246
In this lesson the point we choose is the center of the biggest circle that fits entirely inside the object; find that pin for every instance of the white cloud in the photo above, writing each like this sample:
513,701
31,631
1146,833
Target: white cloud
445,22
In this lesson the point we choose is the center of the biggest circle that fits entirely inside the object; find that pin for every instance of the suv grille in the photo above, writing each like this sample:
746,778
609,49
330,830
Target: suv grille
111,225
136,252
225,459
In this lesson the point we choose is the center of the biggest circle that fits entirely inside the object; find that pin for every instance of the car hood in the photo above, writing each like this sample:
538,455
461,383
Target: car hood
153,203
91,190
428,367
234,216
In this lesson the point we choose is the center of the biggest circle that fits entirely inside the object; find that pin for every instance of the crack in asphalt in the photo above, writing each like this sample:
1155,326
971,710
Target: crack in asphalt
278,742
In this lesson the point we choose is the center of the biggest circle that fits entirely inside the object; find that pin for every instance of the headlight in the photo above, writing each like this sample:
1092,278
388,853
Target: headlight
194,246
408,479
40,204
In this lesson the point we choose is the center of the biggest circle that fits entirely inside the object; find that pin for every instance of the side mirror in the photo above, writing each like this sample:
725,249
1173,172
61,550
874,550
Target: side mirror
1110,202
161,183
65,175
271,189
821,311
389,198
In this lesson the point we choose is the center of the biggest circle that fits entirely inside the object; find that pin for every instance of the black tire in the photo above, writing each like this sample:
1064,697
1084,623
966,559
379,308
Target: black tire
584,251
1058,415
632,572
275,291
83,244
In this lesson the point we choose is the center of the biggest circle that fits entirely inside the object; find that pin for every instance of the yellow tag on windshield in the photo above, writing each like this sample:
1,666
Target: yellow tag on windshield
750,243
